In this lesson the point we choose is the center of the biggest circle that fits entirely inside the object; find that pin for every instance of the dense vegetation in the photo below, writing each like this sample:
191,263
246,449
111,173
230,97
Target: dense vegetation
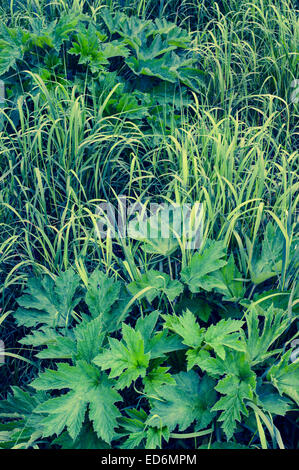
138,341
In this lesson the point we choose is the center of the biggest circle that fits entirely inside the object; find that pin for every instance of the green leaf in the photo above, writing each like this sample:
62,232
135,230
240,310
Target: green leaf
67,410
267,263
199,307
159,282
89,337
217,337
180,405
271,401
48,302
186,327
154,437
156,378
261,334
223,334
232,404
65,26
88,387
87,439
11,48
102,293
226,281
285,377
235,363
126,359
195,274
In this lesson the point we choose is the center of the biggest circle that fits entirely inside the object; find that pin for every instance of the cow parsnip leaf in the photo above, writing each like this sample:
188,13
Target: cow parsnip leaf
162,343
159,282
49,302
285,377
198,306
267,263
60,347
87,46
209,261
65,411
23,425
87,387
226,281
232,405
107,298
155,378
102,292
225,333
65,26
155,436
89,337
87,439
271,401
12,47
180,405
126,359
185,326
263,328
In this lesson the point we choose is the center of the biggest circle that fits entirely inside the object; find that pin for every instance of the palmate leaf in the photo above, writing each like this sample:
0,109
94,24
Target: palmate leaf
87,439
126,359
112,21
83,342
189,400
166,68
224,334
159,282
226,281
41,34
48,302
185,326
92,50
102,292
232,405
37,305
271,401
65,26
130,357
263,328
65,411
235,363
25,427
285,377
267,263
44,336
155,378
20,403
174,35
139,434
89,337
238,384
107,299
157,48
157,343
88,388
198,306
211,259
87,45
11,47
